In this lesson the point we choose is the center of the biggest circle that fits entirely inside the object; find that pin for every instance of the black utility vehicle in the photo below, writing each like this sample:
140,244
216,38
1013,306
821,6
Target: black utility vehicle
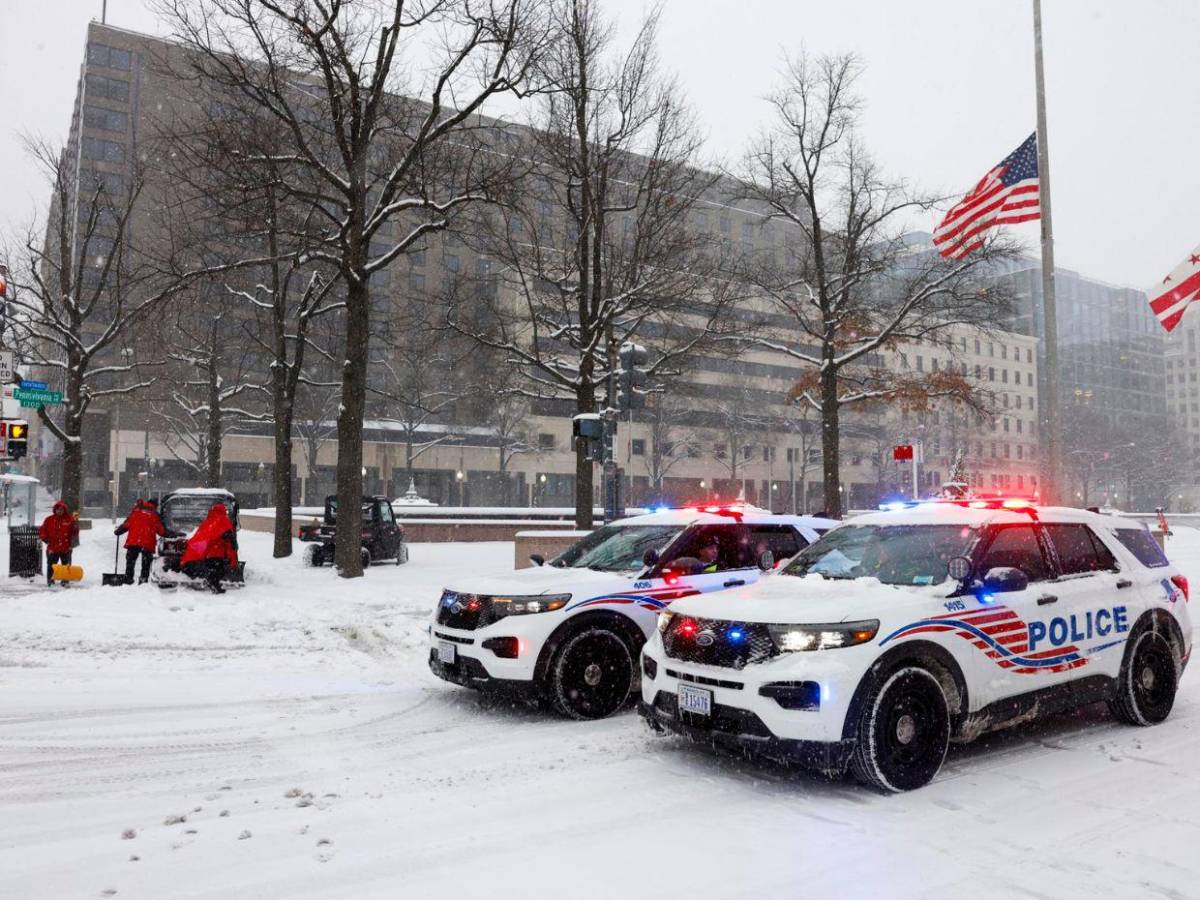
181,512
382,535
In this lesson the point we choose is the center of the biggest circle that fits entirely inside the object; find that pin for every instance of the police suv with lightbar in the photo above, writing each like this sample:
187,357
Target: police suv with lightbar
906,629
569,632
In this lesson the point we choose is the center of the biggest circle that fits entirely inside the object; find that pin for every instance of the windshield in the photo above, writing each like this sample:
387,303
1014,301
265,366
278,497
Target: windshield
616,548
895,554
183,513
368,511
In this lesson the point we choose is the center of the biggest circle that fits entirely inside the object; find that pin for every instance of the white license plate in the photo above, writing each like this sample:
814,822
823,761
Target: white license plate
695,700
447,653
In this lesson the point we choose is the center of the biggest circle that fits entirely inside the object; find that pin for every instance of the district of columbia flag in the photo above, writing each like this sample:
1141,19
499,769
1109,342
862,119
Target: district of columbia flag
1007,194
1169,298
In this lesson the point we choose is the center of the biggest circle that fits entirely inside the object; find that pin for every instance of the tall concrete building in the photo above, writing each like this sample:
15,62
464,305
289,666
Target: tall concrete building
726,429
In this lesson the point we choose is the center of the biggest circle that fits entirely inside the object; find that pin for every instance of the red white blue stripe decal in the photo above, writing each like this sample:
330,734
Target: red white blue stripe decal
654,600
1002,635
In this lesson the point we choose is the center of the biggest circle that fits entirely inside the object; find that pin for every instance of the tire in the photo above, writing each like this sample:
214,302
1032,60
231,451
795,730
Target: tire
903,732
591,675
366,558
402,554
314,557
1148,680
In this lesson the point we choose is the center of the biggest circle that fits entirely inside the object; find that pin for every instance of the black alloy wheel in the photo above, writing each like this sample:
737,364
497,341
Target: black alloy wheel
903,733
1148,680
592,674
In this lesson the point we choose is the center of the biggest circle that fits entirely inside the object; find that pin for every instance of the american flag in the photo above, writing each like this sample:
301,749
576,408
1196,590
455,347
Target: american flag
1170,298
1005,195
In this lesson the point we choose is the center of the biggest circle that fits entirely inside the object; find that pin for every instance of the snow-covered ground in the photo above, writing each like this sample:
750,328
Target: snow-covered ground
287,740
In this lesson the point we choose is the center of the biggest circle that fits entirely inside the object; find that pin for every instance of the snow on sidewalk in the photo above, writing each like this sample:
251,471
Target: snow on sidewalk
287,740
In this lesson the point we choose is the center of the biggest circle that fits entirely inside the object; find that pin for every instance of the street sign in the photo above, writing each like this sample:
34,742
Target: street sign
33,385
37,398
902,451
7,366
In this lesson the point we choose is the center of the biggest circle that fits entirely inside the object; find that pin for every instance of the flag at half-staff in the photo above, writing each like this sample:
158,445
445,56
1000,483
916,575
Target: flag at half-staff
1170,298
1006,195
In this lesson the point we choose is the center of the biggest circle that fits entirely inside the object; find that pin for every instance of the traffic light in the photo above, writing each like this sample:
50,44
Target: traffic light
588,430
18,439
631,380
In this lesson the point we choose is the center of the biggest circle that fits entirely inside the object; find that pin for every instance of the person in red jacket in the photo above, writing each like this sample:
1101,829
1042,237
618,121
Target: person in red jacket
58,533
144,528
211,552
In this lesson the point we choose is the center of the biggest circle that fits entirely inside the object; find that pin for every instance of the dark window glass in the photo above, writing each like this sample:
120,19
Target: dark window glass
895,554
1077,549
783,541
1141,543
1016,547
614,548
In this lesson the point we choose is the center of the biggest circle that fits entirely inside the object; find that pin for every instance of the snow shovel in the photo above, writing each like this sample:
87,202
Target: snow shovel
114,579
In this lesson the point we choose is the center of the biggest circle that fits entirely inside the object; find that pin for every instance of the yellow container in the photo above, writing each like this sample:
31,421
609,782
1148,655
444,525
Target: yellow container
63,572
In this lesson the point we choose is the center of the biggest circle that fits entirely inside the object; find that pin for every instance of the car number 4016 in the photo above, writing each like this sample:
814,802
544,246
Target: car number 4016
695,700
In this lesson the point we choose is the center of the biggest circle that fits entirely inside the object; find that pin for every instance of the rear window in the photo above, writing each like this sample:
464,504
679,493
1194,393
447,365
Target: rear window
1079,550
1141,543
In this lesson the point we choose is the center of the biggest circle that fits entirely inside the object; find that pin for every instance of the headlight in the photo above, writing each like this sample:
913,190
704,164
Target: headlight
664,621
521,605
793,638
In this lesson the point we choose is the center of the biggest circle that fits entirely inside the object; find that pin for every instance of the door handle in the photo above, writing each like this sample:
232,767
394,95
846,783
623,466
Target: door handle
735,582
1124,583
1047,599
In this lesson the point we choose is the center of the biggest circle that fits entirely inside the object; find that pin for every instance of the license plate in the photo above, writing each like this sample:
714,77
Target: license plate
695,700
447,652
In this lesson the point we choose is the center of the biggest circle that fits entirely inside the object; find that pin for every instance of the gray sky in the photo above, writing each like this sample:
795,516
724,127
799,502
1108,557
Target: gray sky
948,85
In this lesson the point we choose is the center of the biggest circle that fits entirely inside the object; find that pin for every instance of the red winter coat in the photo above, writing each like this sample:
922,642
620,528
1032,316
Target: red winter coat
214,539
144,527
59,529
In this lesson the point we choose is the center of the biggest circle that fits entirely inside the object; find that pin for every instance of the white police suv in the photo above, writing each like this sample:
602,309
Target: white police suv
569,632
903,630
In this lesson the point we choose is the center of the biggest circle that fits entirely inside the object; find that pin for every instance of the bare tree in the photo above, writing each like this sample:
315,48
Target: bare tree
81,290
851,282
211,392
739,419
671,438
315,420
595,248
329,76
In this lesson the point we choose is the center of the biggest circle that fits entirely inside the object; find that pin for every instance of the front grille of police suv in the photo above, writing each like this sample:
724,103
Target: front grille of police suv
733,645
466,611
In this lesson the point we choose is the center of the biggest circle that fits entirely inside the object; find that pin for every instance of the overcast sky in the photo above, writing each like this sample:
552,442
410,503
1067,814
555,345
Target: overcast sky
948,85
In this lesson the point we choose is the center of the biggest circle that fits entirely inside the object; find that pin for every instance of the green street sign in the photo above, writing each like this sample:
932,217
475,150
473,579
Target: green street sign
37,398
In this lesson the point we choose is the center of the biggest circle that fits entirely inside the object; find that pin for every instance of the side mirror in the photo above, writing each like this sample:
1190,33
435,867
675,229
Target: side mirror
959,568
1004,579
650,557
766,561
537,559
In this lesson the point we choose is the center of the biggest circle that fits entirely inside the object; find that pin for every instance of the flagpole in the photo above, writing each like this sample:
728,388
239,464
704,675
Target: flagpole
1051,490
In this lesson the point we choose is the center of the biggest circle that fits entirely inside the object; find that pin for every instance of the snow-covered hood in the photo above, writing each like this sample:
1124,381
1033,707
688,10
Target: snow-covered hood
544,580
812,599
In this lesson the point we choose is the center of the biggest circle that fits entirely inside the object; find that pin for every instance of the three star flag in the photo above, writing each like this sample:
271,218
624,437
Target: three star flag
1004,196
1169,298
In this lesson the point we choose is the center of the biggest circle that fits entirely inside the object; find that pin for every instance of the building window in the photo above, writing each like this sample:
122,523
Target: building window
102,150
726,225
545,441
1029,356
108,88
638,447
105,119
991,374
416,281
110,57
451,262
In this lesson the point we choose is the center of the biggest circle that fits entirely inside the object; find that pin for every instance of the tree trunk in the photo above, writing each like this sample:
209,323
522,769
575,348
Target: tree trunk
585,402
72,471
212,464
283,476
831,443
348,541
72,428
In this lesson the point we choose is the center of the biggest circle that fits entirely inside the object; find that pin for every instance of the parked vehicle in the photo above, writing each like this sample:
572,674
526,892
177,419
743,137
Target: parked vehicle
901,631
382,535
568,632
181,512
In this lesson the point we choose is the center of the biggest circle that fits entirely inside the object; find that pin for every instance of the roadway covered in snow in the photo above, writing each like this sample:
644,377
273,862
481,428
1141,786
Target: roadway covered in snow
287,741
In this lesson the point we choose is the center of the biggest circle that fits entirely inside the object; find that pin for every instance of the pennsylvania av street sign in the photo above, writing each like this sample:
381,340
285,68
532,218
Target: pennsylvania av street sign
37,398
